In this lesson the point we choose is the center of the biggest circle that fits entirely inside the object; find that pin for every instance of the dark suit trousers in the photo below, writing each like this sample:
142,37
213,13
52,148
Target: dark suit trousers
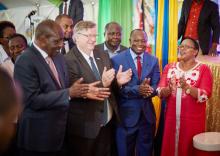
137,140
100,146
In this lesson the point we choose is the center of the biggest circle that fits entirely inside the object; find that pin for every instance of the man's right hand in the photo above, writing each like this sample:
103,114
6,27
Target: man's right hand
97,93
78,89
90,91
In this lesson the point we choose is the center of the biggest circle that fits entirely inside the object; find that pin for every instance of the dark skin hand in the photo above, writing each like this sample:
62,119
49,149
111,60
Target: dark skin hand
145,89
78,89
213,50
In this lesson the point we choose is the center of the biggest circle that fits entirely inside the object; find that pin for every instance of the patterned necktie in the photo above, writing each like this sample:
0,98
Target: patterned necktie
53,69
65,8
139,67
94,69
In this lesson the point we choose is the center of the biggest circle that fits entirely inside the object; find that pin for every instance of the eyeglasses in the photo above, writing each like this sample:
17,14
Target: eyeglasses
89,35
185,47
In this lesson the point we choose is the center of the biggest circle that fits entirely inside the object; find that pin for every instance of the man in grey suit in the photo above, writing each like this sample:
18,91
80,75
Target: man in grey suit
90,122
112,44
43,76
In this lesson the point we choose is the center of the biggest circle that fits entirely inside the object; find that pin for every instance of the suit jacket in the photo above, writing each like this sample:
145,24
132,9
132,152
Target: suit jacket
130,102
101,47
43,120
76,10
86,116
71,45
208,23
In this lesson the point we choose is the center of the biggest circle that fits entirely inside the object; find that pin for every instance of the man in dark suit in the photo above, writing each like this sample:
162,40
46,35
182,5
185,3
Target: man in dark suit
43,76
135,133
66,24
74,8
112,44
89,127
200,21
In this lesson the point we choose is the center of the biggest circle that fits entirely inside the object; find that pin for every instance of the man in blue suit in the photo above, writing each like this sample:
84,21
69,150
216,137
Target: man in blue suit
43,76
135,133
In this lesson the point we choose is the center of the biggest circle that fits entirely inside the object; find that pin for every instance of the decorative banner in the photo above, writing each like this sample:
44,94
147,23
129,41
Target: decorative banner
149,23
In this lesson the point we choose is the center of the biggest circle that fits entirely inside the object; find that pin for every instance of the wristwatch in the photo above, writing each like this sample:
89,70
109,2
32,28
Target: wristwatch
188,90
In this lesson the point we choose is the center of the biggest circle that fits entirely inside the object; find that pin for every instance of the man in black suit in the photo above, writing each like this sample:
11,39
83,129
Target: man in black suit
113,34
66,23
200,21
74,9
90,122
42,73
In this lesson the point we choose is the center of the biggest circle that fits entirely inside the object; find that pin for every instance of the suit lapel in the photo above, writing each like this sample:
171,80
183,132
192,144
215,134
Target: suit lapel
145,66
70,8
46,66
99,62
188,7
131,63
84,63
203,12
59,70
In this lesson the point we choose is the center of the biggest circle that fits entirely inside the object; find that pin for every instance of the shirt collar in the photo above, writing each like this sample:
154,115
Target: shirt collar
106,48
85,55
134,55
42,52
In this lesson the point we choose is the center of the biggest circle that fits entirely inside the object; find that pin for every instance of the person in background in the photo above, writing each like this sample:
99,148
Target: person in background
73,8
7,29
90,122
17,44
200,21
135,133
112,44
186,86
10,100
42,74
66,24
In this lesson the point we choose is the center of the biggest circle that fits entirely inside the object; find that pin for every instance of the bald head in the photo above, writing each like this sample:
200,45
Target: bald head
47,28
113,34
49,37
138,41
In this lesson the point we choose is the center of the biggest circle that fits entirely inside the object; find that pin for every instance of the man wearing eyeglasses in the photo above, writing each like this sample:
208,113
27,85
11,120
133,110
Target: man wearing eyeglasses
113,34
90,122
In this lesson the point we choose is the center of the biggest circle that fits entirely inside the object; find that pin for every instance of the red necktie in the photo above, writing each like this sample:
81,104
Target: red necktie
53,69
65,8
139,67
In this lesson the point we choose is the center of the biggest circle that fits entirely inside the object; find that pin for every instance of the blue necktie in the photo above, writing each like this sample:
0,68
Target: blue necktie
94,69
97,76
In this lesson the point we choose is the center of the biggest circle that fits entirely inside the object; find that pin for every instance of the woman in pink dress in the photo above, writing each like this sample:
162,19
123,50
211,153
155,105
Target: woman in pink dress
186,85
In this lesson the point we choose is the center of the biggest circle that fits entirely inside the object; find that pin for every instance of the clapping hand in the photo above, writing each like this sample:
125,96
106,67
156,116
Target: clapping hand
108,76
97,93
213,49
123,77
145,89
78,89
